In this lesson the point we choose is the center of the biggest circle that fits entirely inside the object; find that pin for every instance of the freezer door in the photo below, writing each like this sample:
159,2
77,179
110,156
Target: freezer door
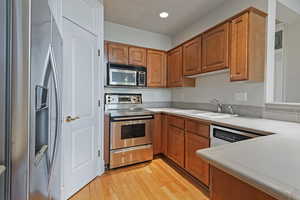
45,116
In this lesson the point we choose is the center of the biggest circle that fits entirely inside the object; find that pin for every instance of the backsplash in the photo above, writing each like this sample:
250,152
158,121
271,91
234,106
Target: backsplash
151,97
219,86
291,115
241,110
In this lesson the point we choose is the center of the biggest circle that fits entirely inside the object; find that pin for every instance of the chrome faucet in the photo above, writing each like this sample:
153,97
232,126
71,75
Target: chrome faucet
230,109
217,102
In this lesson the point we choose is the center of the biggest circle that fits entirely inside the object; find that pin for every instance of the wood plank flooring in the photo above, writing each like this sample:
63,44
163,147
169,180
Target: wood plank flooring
154,180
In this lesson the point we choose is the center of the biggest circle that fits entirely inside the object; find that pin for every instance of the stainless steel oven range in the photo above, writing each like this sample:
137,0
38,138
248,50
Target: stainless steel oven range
130,130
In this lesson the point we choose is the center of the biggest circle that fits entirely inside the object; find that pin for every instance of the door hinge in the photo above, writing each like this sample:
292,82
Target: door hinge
99,153
99,103
99,53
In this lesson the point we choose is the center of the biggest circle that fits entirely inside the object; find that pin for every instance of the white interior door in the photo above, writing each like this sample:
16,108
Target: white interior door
81,92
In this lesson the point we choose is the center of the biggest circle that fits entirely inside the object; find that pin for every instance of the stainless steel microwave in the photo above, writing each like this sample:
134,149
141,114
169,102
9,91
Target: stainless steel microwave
126,75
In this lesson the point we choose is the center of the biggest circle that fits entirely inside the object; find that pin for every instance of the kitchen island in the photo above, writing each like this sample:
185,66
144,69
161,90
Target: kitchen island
270,164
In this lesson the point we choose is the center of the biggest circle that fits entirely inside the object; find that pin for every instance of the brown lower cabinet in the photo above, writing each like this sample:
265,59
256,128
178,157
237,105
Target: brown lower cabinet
227,187
193,163
181,137
175,145
156,134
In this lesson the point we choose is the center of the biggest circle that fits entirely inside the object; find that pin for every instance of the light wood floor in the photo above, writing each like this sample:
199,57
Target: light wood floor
154,180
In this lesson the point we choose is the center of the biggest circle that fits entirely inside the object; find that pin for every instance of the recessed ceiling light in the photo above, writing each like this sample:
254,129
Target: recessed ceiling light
164,15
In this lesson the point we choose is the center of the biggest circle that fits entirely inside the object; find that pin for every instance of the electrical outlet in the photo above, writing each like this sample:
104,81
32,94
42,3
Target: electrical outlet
241,96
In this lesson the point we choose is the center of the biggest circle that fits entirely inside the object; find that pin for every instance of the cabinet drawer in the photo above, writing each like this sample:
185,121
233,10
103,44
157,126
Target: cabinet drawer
197,128
176,121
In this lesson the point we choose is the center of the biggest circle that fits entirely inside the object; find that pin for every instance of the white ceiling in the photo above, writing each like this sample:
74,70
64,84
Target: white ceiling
144,14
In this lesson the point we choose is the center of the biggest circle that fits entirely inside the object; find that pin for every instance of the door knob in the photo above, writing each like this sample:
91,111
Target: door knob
70,119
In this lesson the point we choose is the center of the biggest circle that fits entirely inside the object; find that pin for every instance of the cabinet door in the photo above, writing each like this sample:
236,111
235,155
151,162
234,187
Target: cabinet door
164,134
118,53
193,163
215,49
175,145
137,56
156,134
227,187
239,48
175,71
156,68
192,57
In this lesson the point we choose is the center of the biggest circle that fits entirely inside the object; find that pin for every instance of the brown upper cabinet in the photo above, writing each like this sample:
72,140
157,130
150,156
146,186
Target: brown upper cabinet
175,70
215,52
156,68
247,45
117,53
192,57
137,56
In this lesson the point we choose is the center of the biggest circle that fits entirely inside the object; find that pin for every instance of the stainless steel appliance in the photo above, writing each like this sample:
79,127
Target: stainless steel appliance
221,135
36,77
126,76
130,130
4,100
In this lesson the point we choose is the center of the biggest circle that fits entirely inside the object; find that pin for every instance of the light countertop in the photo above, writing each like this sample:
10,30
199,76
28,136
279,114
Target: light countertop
270,163
2,169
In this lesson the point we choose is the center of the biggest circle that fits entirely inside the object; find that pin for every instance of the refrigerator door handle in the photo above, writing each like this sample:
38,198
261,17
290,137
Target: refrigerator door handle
39,155
57,112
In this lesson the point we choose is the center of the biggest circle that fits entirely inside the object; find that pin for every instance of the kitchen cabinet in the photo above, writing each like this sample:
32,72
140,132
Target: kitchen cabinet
227,187
181,138
156,68
215,52
175,70
137,56
193,163
247,45
164,128
157,134
175,145
201,129
118,53
192,57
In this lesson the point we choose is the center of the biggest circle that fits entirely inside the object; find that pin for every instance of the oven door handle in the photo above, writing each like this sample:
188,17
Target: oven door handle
132,118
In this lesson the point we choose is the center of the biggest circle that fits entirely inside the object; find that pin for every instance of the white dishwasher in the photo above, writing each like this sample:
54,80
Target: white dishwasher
222,135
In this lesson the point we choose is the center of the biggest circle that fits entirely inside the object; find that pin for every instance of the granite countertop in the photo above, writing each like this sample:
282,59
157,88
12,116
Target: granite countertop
2,169
269,163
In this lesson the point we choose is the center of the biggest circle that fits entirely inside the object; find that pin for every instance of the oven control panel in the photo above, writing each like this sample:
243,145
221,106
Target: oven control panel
123,98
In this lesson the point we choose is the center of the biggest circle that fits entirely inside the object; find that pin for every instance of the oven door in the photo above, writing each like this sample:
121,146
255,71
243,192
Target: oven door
121,77
130,133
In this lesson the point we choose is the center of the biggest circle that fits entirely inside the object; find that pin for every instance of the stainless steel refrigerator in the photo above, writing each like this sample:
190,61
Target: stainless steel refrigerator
33,102
4,109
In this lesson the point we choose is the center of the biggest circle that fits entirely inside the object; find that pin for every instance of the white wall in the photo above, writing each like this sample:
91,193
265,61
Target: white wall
221,13
124,34
292,64
218,85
